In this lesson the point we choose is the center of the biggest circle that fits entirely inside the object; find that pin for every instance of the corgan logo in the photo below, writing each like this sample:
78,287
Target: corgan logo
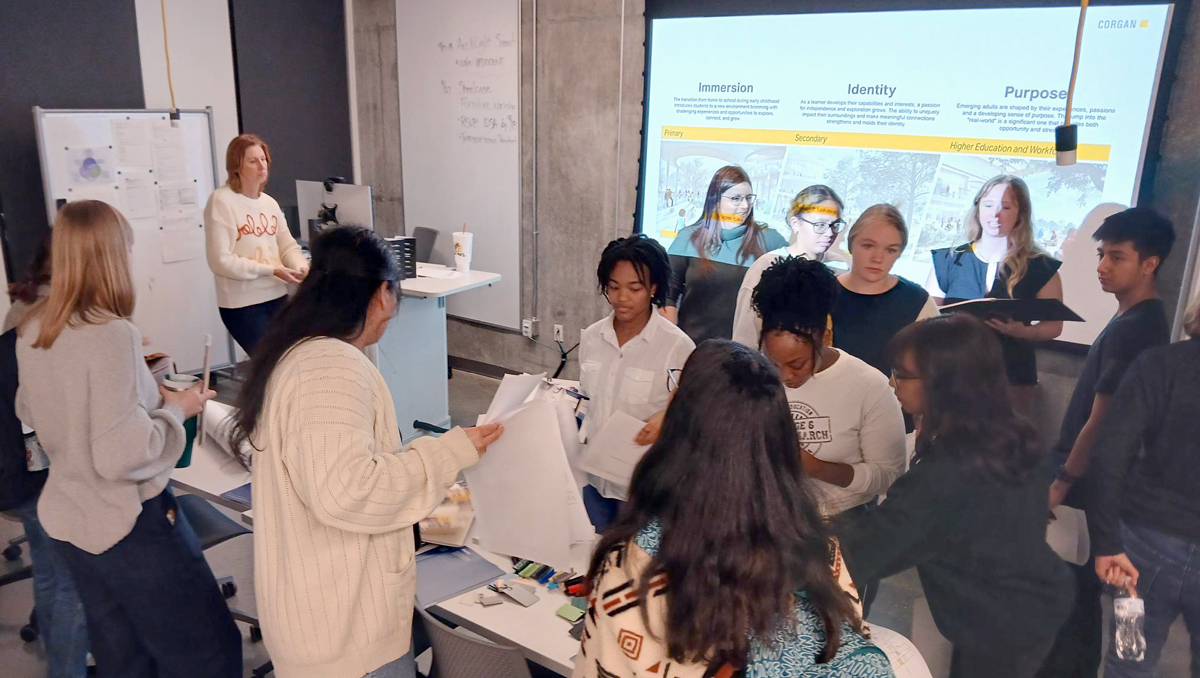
1119,24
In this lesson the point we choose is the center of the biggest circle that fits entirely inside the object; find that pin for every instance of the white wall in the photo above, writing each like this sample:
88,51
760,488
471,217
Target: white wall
201,62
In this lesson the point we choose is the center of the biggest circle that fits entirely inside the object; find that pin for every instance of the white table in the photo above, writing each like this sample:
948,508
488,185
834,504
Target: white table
412,356
212,473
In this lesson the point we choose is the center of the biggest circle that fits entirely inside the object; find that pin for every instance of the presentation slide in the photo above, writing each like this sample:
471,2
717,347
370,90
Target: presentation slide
917,109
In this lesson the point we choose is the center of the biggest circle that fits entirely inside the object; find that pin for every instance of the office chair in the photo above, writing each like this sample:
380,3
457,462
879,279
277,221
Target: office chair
457,655
426,238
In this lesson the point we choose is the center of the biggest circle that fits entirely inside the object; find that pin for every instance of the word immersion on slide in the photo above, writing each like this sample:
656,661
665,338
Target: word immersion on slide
917,109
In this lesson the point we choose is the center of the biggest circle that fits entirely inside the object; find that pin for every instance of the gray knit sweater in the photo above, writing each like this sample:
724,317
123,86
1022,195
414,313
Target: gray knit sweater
99,416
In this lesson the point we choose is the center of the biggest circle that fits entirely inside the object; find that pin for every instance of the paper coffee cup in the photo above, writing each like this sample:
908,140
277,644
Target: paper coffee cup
180,382
462,251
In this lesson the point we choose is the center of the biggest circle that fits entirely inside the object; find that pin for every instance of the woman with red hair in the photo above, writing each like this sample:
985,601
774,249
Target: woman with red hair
250,250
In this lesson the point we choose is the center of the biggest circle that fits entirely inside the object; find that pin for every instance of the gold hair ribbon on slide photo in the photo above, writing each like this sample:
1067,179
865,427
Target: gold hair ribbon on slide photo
819,209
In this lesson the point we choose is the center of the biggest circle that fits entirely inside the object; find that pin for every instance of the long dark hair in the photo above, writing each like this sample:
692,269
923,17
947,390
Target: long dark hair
26,289
349,263
968,414
741,533
707,236
646,256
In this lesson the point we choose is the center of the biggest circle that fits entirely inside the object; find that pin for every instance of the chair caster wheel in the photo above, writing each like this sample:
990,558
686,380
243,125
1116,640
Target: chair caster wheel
228,589
29,633
12,552
255,634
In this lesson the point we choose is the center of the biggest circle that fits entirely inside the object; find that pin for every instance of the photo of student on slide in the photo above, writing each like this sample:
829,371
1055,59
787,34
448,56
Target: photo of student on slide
709,257
1001,259
815,218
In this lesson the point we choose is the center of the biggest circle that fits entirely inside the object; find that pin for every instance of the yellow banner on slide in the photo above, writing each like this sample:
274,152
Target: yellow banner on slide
890,142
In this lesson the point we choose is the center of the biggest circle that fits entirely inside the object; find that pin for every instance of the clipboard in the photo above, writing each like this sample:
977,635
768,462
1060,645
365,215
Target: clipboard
1021,310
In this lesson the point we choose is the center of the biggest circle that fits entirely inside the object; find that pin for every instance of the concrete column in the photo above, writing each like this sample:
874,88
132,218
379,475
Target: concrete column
378,94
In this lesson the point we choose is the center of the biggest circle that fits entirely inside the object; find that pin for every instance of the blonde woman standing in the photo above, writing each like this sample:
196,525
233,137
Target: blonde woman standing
815,218
152,605
250,250
1001,259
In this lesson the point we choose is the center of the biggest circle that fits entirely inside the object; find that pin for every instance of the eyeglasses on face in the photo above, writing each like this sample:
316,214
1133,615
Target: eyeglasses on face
898,376
822,226
737,200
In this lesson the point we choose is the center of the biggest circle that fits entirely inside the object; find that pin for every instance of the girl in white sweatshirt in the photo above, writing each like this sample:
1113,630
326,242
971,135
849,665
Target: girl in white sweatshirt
250,250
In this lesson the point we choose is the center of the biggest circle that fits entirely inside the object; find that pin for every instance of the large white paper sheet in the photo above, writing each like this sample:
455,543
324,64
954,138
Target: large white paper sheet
131,138
906,661
520,489
514,390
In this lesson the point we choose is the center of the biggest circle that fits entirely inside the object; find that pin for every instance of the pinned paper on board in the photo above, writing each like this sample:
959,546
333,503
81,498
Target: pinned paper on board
177,197
90,165
103,192
182,245
138,199
131,138
170,156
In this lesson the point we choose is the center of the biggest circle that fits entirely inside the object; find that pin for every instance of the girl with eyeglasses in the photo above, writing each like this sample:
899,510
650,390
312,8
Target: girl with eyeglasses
625,359
971,513
709,258
1003,260
849,422
815,218
873,304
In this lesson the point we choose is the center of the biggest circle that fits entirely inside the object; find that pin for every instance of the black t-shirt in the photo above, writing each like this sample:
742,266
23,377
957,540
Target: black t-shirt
1122,340
961,275
863,324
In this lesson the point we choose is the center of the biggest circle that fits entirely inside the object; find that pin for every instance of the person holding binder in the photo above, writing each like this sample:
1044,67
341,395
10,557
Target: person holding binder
250,250
970,514
709,258
1001,259
815,217
113,438
626,359
335,491
1132,246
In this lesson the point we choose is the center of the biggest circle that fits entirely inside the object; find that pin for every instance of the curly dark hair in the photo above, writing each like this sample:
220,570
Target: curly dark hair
795,295
648,258
968,415
741,531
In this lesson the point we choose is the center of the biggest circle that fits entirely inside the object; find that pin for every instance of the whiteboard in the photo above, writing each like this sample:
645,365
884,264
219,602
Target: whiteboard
159,177
459,77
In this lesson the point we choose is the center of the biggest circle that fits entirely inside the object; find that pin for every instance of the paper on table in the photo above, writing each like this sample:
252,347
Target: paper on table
514,390
436,272
138,194
132,141
518,490
906,661
1067,534
183,245
611,452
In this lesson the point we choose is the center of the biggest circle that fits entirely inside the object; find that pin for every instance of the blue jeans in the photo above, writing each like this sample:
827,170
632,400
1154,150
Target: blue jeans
59,610
152,604
249,323
1169,581
404,667
601,510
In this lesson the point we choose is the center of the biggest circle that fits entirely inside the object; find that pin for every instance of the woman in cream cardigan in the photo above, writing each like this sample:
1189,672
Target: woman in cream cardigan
335,493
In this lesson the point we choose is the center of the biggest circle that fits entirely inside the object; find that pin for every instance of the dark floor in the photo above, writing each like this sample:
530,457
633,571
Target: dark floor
900,605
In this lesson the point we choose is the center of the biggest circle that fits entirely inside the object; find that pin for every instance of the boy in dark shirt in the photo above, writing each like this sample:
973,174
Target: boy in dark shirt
1132,247
1144,516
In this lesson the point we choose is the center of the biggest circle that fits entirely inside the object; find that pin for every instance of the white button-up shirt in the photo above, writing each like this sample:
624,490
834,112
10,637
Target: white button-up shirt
630,378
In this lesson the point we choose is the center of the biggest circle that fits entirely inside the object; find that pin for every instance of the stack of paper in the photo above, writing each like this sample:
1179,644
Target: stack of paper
526,500
611,452
1067,534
